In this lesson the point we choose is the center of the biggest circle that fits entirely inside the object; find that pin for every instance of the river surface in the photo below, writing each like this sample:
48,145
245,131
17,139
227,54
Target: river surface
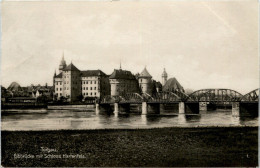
87,119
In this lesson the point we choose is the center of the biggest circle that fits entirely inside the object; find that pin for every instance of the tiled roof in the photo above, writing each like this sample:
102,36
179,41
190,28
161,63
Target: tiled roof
121,74
92,73
172,84
71,67
158,84
59,75
145,73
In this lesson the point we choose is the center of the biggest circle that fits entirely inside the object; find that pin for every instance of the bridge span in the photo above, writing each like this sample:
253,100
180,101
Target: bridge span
182,103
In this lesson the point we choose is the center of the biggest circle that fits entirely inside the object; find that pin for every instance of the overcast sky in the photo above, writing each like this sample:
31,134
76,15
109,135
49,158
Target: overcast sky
203,44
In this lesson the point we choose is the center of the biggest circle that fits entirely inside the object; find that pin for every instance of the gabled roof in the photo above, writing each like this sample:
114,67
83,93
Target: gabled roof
145,73
71,67
158,84
59,75
121,74
92,73
172,84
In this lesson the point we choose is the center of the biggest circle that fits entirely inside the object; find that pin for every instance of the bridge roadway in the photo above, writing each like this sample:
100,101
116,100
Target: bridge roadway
242,105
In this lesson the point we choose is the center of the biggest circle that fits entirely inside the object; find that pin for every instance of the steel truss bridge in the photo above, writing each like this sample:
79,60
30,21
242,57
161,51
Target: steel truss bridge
215,96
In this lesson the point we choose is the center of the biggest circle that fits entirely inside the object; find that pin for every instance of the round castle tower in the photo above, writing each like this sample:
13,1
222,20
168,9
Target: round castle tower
145,81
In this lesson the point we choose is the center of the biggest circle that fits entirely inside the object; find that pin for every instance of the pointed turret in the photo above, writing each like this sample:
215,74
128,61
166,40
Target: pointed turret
62,63
145,73
145,81
164,77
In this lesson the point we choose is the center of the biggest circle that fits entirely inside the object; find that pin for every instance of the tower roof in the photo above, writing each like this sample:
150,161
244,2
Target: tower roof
92,73
121,74
71,67
63,62
145,73
164,72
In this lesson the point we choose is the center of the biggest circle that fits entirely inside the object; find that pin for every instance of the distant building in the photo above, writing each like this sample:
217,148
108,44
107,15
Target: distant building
74,84
123,82
164,77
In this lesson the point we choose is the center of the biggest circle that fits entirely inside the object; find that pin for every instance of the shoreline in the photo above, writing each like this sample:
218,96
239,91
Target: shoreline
156,147
125,129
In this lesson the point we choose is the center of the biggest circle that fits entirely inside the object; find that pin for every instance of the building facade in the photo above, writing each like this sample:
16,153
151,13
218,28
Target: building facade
123,82
73,84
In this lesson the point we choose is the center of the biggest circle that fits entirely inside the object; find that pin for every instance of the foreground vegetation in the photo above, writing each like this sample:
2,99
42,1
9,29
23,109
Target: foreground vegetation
234,146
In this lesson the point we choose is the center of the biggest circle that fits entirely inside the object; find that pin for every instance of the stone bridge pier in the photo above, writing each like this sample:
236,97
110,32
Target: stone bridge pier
183,108
245,109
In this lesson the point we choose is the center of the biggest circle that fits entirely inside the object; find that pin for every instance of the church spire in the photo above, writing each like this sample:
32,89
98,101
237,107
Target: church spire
62,63
164,76
120,65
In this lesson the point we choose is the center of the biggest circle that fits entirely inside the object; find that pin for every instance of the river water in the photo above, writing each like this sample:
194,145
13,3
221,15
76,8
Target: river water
87,119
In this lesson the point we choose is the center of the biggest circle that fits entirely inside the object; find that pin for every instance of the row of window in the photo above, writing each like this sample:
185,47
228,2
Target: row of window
86,82
57,83
86,88
86,94
83,82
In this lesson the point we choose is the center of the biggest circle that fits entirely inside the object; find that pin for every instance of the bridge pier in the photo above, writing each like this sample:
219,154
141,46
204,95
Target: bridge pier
181,107
144,108
235,108
97,109
116,110
203,106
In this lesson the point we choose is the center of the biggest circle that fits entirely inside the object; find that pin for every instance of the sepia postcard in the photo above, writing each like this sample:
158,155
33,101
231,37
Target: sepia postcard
129,83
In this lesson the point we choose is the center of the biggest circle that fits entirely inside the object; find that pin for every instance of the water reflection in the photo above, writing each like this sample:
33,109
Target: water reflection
181,119
75,119
235,120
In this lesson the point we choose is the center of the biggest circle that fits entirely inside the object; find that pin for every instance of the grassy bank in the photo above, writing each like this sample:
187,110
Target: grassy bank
149,147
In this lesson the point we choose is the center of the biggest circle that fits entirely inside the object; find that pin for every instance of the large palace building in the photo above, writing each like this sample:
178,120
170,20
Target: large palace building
74,84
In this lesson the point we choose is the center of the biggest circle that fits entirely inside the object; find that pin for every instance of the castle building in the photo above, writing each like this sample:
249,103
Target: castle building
74,84
172,85
123,82
145,82
164,77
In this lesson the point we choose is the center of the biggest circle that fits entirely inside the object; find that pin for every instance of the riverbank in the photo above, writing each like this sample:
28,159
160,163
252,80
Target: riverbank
234,146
